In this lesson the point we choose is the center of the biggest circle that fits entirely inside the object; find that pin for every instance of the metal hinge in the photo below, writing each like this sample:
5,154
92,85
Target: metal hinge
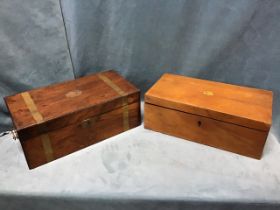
13,132
15,135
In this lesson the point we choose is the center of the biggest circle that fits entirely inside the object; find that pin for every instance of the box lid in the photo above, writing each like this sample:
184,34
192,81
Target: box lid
248,107
47,108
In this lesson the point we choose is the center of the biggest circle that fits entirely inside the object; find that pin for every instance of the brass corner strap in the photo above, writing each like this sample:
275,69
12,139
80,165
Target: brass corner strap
37,116
110,83
116,88
32,107
47,147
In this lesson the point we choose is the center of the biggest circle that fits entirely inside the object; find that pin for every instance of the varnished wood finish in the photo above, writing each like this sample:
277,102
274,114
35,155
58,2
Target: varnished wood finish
215,133
224,116
75,137
75,117
245,106
56,101
59,119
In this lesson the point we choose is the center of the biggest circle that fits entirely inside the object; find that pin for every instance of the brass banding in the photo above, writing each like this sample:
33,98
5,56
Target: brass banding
112,84
37,116
47,147
32,107
116,88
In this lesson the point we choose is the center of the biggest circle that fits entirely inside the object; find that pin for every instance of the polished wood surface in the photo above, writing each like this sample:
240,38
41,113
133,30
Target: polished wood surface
57,120
63,99
244,106
215,133
78,136
75,117
224,116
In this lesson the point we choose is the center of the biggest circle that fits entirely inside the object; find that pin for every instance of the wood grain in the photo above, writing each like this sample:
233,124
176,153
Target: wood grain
244,106
57,120
62,99
78,136
215,133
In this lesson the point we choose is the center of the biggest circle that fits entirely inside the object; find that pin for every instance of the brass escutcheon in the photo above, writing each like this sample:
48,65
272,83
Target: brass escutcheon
86,123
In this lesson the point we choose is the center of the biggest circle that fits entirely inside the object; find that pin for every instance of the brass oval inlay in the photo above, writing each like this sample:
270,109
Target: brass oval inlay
73,93
208,93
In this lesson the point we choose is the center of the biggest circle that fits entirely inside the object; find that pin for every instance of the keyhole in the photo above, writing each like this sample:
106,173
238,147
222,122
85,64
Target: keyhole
86,123
199,123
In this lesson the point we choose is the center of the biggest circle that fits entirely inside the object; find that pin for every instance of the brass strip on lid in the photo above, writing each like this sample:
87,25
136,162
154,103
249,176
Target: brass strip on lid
32,107
112,84
115,87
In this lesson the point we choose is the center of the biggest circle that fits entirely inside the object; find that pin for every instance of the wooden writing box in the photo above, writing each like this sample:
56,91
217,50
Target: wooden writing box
57,120
224,116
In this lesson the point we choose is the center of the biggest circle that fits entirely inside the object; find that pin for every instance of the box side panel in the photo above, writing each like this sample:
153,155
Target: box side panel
55,144
226,136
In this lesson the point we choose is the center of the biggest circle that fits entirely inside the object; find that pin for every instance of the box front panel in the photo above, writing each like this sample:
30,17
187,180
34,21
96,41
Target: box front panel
58,143
215,133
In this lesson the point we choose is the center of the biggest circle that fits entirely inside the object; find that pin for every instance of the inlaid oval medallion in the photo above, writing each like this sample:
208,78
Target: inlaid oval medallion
73,93
208,93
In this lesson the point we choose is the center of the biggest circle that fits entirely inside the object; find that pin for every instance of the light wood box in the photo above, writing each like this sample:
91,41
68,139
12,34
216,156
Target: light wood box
225,116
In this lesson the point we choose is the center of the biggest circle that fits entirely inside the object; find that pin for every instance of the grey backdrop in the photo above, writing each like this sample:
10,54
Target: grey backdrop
33,48
223,40
231,41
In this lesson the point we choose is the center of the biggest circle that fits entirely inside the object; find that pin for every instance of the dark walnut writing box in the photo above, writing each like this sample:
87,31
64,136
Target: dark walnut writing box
224,116
57,120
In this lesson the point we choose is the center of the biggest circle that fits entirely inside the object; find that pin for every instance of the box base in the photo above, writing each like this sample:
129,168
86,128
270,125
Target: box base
58,143
227,136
